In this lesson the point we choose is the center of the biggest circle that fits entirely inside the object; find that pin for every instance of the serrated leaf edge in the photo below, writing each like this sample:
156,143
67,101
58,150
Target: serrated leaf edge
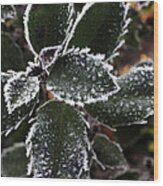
124,31
67,40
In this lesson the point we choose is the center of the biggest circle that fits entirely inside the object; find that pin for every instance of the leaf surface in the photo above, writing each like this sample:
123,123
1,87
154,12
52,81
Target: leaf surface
57,143
101,28
133,103
81,77
10,122
109,153
12,57
14,161
47,25
20,89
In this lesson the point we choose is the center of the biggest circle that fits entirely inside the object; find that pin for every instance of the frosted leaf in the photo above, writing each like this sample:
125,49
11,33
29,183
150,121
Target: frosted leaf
103,25
11,55
19,90
4,77
133,103
47,25
109,160
80,12
81,77
138,81
7,12
10,122
14,161
57,143
108,153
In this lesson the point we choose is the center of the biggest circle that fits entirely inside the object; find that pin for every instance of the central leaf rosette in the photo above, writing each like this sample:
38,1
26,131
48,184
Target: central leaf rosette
80,77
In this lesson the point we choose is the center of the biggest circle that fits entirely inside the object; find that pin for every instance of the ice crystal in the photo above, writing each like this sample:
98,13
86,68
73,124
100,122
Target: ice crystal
133,103
19,90
58,147
82,77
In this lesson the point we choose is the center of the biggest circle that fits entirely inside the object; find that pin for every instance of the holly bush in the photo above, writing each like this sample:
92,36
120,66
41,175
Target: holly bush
62,100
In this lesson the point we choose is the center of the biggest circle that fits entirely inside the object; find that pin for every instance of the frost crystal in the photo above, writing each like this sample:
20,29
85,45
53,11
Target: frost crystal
70,34
52,27
82,77
58,143
133,103
19,90
109,18
10,122
123,31
85,91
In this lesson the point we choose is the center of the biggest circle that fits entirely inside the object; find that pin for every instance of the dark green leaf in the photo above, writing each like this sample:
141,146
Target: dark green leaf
101,27
14,161
48,25
108,152
10,122
11,55
16,136
78,6
58,143
133,103
20,89
82,77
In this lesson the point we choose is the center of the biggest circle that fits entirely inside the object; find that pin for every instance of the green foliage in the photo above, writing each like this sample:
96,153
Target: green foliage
14,161
20,89
108,153
48,24
133,103
81,77
12,56
58,142
12,121
69,92
100,28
